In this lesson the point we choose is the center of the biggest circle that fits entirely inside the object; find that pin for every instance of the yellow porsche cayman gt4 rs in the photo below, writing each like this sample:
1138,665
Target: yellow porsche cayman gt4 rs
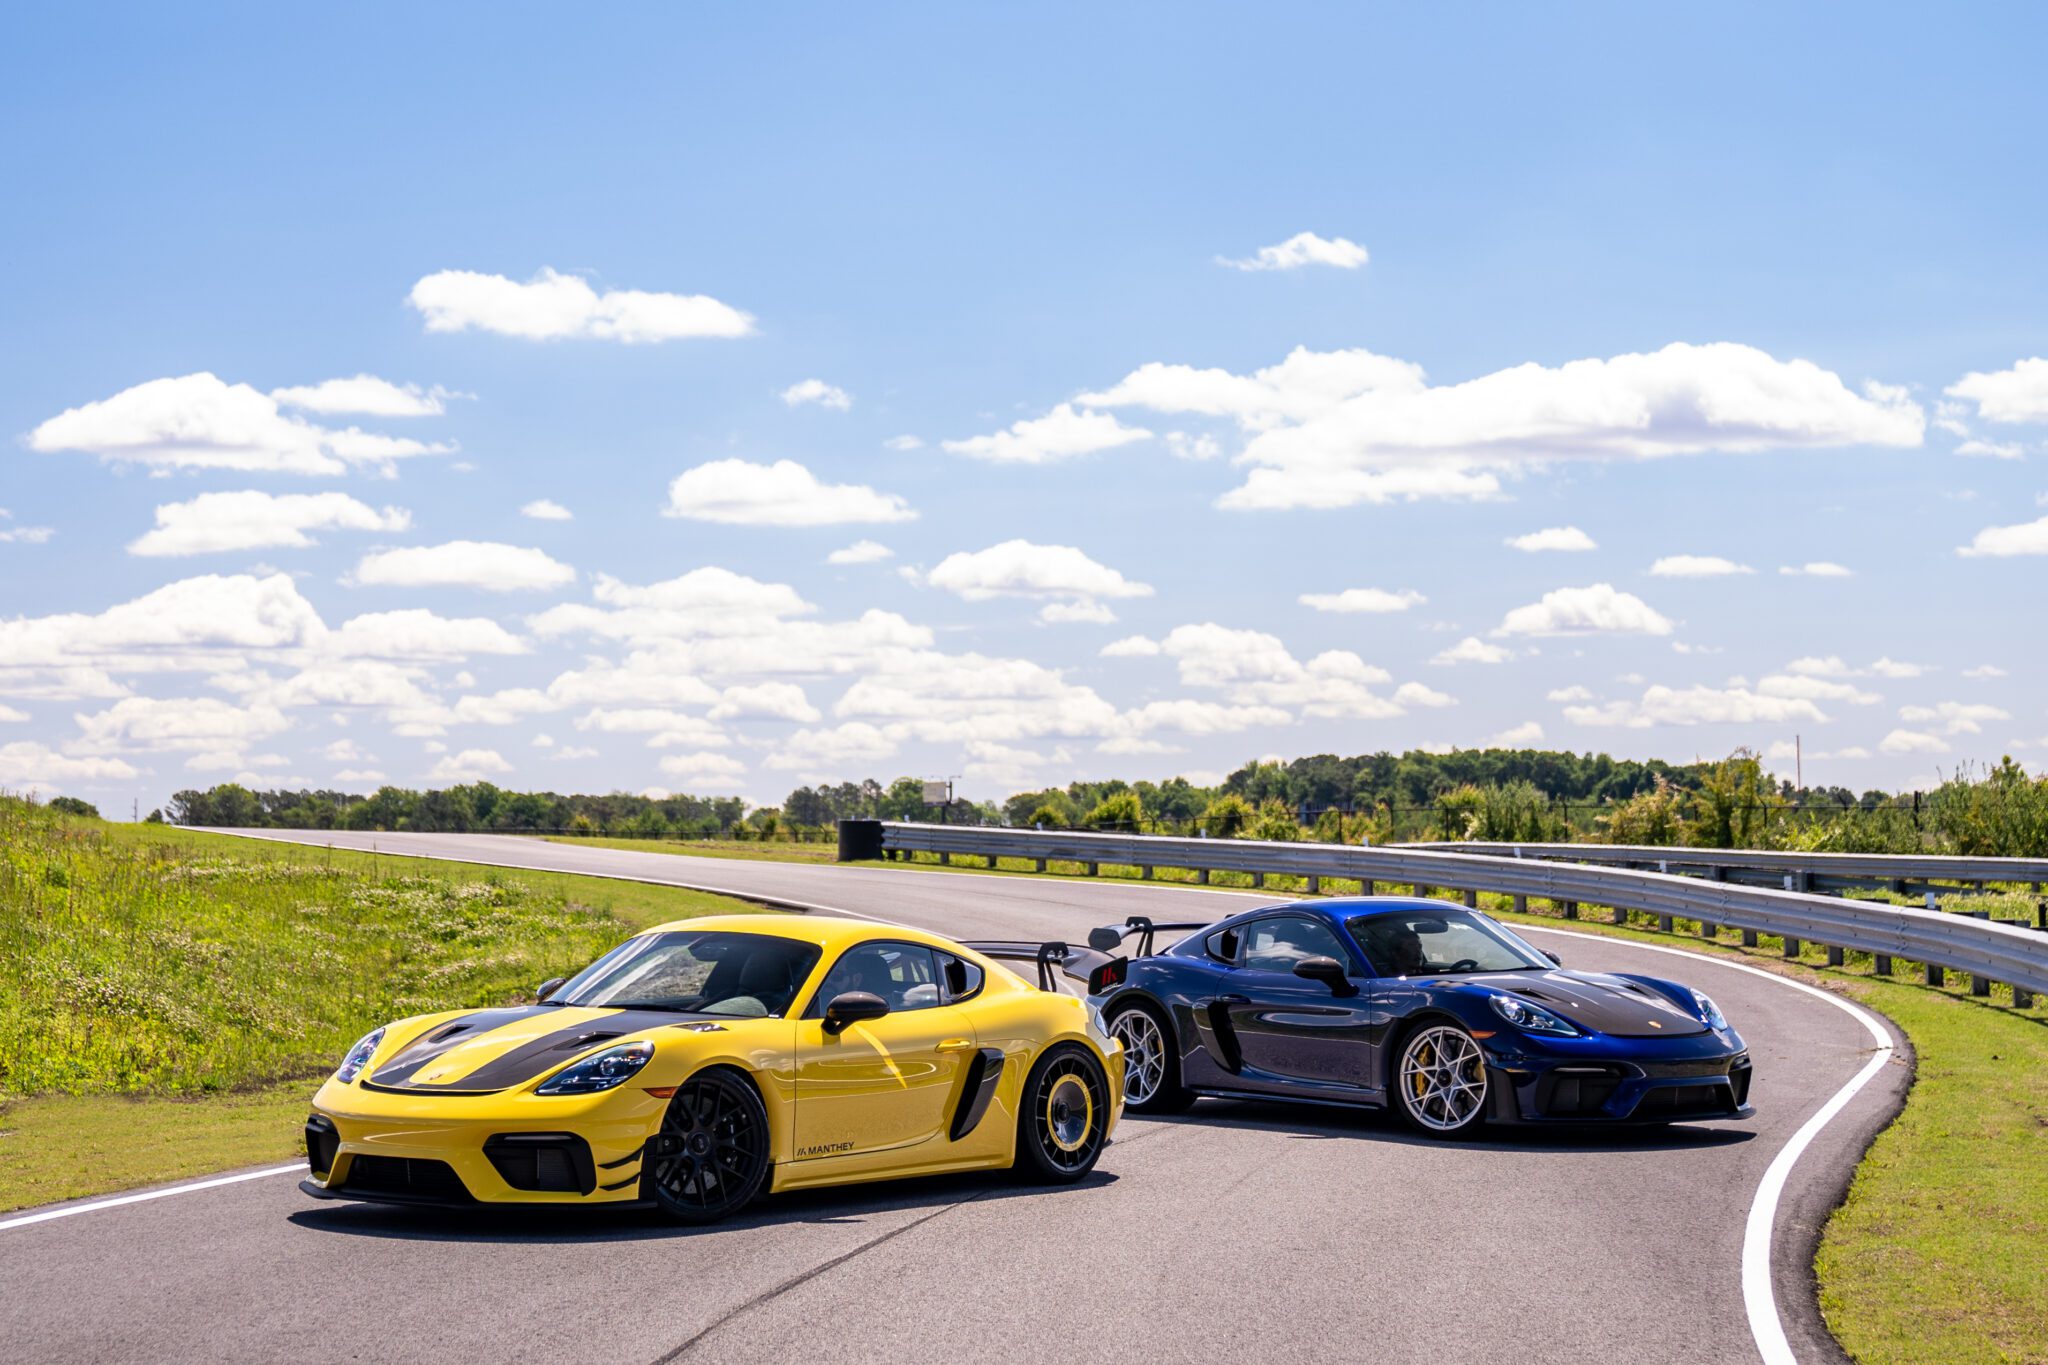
701,1063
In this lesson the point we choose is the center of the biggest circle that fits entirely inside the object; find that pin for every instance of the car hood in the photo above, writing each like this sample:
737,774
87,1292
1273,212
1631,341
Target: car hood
1614,1005
484,1051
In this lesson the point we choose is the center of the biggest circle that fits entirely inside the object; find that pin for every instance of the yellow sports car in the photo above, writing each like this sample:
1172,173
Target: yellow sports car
701,1063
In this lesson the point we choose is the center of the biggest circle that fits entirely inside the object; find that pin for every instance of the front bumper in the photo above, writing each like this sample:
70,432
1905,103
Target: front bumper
1620,1081
465,1151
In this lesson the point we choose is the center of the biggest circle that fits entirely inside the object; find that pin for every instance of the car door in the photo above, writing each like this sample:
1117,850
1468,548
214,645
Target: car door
1291,1031
881,1086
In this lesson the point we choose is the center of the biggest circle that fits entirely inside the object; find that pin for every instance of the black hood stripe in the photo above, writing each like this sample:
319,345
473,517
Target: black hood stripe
530,1059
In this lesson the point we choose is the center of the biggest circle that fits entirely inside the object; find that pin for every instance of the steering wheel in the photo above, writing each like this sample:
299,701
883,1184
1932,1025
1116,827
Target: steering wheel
1464,964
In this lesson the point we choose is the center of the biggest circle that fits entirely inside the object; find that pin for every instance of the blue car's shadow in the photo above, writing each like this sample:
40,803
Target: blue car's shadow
1305,1122
540,1223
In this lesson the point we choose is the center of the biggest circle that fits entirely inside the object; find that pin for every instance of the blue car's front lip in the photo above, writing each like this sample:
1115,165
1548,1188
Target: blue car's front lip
1598,1079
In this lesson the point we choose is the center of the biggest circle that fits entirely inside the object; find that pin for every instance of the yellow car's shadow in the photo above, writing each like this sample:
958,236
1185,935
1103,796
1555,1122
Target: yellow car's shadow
530,1224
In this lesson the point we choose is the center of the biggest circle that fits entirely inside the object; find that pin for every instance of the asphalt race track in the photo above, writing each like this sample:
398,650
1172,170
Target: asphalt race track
1246,1231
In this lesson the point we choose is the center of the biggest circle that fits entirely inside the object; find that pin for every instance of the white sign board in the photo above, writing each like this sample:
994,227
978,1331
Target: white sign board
938,793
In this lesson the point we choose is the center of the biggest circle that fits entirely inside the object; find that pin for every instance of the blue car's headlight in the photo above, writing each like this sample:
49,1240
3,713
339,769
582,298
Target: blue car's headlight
1709,1011
612,1067
1532,1018
359,1056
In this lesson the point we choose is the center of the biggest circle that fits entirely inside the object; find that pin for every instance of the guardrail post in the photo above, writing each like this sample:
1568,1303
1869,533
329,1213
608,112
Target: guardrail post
1258,879
1040,864
1980,986
1315,886
2022,998
1749,938
1569,909
1471,899
1936,976
1618,915
1520,905
1664,924
1835,958
1145,872
945,860
1791,946
1881,964
1367,888
1201,876
1094,869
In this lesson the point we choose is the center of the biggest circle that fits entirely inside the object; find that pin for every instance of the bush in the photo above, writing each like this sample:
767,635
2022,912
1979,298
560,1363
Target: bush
1651,817
1048,816
71,805
2005,815
1275,821
648,824
1734,806
1226,817
1457,812
1120,811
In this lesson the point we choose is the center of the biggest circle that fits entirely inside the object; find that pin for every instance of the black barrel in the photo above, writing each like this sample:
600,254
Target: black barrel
860,841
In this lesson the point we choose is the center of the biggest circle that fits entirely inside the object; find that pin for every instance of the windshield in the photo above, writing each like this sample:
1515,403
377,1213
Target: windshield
1438,942
748,975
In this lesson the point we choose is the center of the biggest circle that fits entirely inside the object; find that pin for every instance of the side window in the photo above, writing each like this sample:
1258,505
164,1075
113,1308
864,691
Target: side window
1222,945
903,974
960,978
1275,945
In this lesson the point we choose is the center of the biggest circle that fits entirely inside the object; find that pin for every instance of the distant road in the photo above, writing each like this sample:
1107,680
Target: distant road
1259,1232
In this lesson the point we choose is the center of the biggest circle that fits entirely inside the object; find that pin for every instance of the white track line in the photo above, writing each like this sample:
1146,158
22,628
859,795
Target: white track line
1766,1324
96,1205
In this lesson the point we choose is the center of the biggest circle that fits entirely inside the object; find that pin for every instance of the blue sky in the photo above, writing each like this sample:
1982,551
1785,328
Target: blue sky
1698,285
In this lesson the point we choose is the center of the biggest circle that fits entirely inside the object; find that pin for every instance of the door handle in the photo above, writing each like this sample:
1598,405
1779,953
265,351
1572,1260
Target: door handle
1233,1000
956,1045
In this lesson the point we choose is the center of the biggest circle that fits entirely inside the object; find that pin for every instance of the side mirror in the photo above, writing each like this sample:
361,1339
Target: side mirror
1106,939
851,1008
1327,970
548,987
1555,960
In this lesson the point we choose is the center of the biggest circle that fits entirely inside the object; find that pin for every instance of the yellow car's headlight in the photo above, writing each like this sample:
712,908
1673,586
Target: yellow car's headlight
605,1071
359,1056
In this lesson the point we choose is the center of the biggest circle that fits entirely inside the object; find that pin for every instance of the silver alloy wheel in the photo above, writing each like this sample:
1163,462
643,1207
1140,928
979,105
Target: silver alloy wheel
1443,1078
1144,1054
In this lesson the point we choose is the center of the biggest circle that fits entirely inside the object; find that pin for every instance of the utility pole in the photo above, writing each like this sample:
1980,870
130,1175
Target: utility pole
1798,764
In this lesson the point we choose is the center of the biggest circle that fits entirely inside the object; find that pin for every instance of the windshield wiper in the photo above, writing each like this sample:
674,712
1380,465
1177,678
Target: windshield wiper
659,1006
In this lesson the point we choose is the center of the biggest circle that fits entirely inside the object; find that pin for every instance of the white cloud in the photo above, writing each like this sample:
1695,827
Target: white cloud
198,421
1912,742
359,776
1600,609
1130,647
2019,394
546,509
1076,613
200,624
1660,705
1829,667
1956,718
1190,716
1992,450
552,306
1373,600
1564,538
1420,694
860,552
28,766
1566,694
1256,669
1697,566
153,724
26,535
1061,434
1019,568
1521,736
1195,447
470,765
953,698
1368,436
10,715
737,493
464,564
904,442
1472,650
703,769
2027,538
765,701
569,753
1819,568
1814,689
253,520
1984,671
1303,248
1893,668
819,392
366,395
832,751
416,633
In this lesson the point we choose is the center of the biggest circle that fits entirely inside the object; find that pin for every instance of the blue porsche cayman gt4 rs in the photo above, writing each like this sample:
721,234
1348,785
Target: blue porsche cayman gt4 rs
1438,1012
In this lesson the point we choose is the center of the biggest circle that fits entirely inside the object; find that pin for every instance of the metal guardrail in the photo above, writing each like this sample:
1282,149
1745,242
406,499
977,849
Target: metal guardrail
1986,950
1807,869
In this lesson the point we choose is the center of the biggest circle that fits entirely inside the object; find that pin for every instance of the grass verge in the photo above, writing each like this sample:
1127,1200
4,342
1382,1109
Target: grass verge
168,997
770,852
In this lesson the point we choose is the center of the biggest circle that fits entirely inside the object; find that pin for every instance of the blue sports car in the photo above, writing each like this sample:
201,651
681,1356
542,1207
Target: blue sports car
1440,1012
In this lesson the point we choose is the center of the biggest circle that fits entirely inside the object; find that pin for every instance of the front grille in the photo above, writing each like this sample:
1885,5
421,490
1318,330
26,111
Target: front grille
1684,1101
1710,1066
321,1143
544,1162
1577,1091
405,1175
1738,1076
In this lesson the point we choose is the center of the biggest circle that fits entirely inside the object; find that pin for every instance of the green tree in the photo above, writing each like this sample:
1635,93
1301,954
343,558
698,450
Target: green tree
1275,820
1122,811
1226,816
71,805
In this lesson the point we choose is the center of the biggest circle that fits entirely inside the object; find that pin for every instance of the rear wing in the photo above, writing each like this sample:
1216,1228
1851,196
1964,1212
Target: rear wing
1051,958
1110,937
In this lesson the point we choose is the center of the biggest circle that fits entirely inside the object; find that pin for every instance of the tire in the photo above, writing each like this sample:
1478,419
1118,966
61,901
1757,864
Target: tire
1439,1081
1060,1119
709,1158
1151,1061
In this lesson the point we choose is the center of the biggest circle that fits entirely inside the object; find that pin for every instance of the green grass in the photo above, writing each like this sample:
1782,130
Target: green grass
775,851
203,982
